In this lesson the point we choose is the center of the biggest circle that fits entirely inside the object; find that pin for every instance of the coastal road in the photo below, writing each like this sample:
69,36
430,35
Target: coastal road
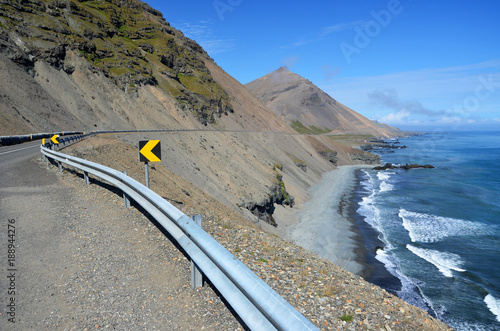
12,155
27,223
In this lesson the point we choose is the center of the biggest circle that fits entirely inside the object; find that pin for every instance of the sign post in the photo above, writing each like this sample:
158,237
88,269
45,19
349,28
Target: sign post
149,151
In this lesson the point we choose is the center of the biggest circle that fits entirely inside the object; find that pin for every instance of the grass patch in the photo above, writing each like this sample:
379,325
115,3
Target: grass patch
194,84
118,71
346,318
329,291
301,128
356,137
350,140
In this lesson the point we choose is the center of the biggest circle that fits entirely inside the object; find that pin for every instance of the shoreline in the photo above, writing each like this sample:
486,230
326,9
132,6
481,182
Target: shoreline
326,225
375,272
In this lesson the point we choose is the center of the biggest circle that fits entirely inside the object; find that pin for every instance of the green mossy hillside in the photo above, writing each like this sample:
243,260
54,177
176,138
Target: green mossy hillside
127,40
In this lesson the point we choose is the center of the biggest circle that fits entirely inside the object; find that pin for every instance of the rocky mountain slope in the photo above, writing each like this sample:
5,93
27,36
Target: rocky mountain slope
308,109
118,64
101,53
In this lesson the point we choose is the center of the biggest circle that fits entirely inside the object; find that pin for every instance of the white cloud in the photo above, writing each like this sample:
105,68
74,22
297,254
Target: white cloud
462,94
400,117
342,26
324,32
203,33
389,98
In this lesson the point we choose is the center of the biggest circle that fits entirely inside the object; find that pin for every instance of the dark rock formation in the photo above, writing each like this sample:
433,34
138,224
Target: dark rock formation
365,158
330,156
406,166
369,147
302,165
264,209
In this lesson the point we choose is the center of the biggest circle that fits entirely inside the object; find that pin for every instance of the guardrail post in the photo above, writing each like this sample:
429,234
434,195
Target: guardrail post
146,170
126,198
60,166
86,177
196,275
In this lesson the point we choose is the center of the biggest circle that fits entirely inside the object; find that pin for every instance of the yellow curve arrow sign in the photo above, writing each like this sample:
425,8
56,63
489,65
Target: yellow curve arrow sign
54,139
151,151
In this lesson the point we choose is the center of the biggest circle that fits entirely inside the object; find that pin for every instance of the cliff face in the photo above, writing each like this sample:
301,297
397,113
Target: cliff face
307,108
125,41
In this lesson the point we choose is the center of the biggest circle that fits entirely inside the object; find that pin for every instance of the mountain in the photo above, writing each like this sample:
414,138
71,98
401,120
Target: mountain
100,55
118,64
307,108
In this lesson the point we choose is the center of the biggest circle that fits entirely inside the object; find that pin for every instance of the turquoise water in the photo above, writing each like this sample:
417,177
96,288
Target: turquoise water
440,228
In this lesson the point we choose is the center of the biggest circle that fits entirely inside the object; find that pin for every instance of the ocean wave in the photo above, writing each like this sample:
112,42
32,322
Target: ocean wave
370,213
384,175
493,305
410,289
445,262
384,187
431,228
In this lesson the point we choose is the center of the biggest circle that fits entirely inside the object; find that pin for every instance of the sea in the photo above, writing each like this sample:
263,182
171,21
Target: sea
432,236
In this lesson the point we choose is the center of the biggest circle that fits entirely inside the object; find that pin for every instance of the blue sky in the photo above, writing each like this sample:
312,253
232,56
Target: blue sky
415,64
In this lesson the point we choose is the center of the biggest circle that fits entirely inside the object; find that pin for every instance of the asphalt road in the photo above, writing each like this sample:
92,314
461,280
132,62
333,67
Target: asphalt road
12,156
27,233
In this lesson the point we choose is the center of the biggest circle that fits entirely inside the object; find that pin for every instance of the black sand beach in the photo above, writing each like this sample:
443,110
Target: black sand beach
330,226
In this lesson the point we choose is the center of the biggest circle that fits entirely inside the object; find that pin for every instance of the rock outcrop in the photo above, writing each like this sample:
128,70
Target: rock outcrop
365,158
330,156
278,195
405,166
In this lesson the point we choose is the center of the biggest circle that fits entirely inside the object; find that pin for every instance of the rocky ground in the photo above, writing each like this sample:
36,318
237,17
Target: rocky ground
127,275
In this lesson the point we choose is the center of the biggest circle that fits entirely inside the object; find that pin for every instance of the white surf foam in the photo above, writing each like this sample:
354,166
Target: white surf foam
493,305
366,208
410,290
445,262
430,228
383,175
385,186
370,213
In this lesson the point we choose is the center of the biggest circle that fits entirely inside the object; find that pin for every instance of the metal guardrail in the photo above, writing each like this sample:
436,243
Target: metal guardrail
18,139
12,140
257,304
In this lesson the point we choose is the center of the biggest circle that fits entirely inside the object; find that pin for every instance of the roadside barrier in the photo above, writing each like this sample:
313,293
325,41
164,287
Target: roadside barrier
12,140
257,304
